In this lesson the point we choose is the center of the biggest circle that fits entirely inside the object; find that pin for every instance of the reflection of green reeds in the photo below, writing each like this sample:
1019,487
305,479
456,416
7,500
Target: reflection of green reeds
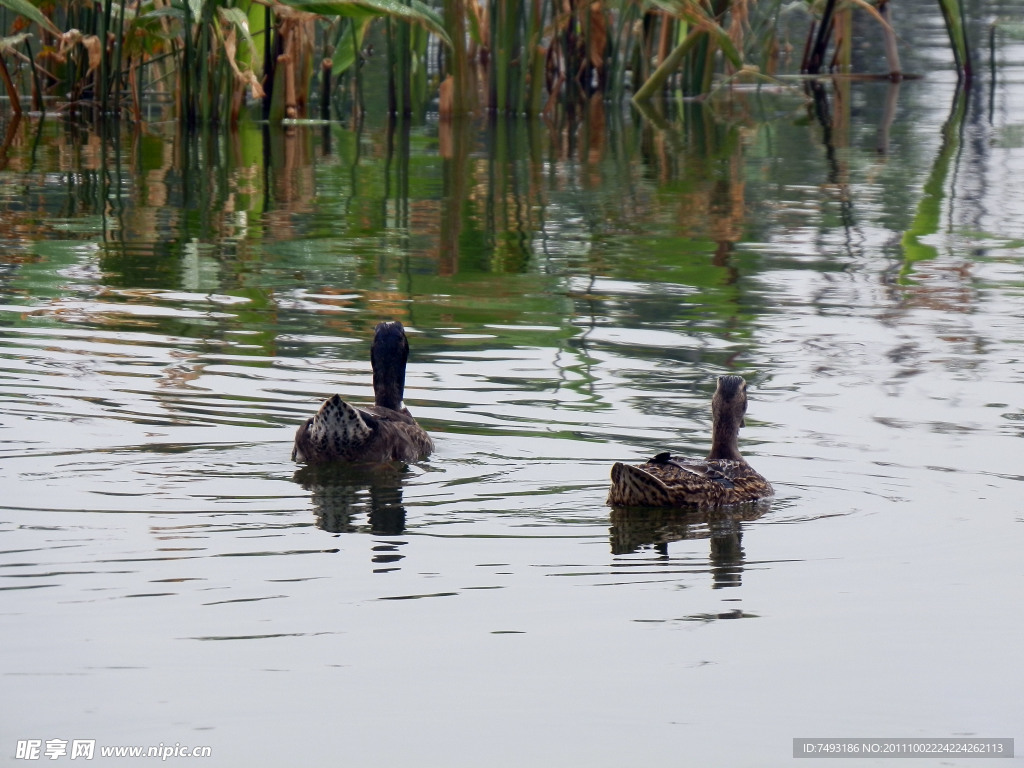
929,209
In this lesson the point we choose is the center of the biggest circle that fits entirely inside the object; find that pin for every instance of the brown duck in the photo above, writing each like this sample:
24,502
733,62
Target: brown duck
384,431
724,477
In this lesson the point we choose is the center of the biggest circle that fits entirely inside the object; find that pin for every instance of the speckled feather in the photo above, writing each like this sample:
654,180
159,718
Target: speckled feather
666,481
341,432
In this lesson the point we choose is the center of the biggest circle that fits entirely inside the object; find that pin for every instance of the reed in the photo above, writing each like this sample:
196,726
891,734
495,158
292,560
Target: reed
505,56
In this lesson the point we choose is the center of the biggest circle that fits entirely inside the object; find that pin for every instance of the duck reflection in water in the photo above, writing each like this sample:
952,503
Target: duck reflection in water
342,493
634,529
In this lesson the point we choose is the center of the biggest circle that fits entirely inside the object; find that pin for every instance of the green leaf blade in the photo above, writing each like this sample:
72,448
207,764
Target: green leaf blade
29,11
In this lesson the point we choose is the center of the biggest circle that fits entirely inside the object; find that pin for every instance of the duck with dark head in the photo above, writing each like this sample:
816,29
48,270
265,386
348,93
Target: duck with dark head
723,478
384,431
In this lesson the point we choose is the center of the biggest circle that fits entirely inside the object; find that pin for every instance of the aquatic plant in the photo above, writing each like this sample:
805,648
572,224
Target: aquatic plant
209,58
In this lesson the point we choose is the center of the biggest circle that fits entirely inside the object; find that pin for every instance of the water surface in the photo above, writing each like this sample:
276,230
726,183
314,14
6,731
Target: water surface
171,310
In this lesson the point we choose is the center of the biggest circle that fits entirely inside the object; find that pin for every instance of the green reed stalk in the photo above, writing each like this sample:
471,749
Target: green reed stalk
588,37
395,41
205,78
199,65
844,39
953,14
268,61
620,52
533,56
185,69
504,29
493,73
12,91
457,61
325,90
514,18
420,80
89,19
104,77
224,91
510,47
699,66
392,92
117,60
520,50
705,71
37,85
816,57
405,66
356,74
657,80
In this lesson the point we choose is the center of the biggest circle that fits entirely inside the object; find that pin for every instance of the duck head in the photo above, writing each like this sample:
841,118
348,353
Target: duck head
728,407
388,356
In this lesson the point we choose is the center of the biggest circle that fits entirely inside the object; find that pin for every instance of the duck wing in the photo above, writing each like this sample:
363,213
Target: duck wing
397,436
680,470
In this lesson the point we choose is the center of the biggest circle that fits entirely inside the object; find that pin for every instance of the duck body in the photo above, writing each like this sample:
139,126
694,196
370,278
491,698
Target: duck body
341,432
721,479
671,481
382,432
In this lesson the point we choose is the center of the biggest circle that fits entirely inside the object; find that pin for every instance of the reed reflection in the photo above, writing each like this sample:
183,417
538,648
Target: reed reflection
637,528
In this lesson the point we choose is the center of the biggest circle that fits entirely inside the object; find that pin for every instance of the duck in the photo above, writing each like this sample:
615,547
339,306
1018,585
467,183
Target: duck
379,433
723,478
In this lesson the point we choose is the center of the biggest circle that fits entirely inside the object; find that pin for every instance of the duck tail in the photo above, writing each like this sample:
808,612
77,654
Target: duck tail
332,433
339,423
635,487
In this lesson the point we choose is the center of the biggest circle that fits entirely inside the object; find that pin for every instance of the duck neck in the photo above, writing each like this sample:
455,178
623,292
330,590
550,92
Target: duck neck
389,387
388,356
725,440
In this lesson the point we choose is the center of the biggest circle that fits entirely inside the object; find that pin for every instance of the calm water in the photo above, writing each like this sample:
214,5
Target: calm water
171,310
